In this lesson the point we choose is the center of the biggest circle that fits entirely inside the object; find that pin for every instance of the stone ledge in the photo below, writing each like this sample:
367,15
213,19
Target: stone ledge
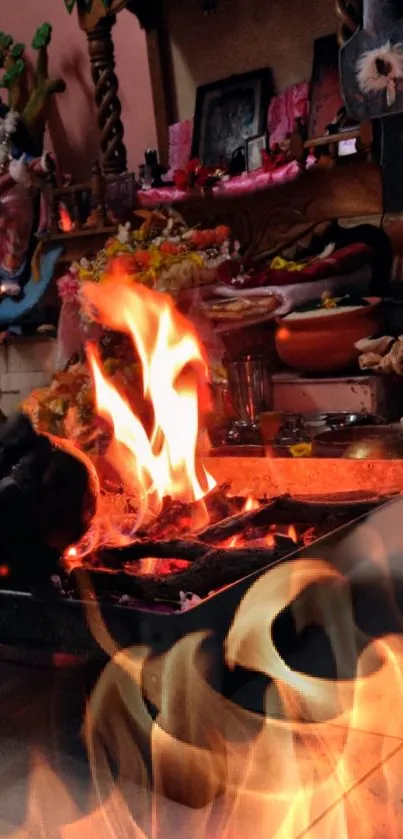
25,364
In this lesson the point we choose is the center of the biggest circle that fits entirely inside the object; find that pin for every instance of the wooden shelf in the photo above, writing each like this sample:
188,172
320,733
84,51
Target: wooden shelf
329,139
269,219
83,233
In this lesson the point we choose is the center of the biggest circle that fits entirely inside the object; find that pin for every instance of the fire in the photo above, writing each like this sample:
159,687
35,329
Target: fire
292,534
321,759
164,460
66,223
251,504
170,753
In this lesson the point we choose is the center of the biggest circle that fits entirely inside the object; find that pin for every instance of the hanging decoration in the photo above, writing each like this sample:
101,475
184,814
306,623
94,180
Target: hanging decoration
381,70
371,63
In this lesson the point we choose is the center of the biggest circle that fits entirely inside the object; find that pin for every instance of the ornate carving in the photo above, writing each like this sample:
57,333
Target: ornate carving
267,221
100,45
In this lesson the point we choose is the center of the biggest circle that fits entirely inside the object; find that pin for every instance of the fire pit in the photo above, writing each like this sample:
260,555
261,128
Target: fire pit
137,522
153,588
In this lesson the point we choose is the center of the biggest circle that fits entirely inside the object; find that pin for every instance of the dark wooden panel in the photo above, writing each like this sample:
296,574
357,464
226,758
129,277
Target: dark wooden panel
269,219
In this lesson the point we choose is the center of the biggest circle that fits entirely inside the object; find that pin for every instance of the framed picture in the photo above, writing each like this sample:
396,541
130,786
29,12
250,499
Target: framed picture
228,113
254,148
325,99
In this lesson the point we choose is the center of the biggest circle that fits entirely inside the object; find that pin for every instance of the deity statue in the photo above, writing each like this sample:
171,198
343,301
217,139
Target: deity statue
22,168
19,177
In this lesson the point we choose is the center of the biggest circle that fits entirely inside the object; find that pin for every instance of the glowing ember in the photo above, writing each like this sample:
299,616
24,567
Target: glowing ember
66,223
251,504
292,534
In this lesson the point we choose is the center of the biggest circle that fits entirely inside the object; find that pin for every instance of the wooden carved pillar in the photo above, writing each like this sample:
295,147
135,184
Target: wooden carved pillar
102,58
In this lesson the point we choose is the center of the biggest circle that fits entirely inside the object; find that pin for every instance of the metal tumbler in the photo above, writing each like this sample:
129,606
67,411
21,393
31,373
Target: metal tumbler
250,388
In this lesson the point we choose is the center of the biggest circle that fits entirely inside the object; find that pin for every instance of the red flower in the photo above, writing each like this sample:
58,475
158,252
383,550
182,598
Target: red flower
181,179
194,175
268,163
202,176
193,166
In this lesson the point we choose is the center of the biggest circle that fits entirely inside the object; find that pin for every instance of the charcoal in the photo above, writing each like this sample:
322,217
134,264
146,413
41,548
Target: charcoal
47,500
217,568
17,438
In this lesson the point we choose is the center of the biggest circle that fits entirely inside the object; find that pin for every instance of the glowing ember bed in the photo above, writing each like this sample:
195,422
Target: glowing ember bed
56,623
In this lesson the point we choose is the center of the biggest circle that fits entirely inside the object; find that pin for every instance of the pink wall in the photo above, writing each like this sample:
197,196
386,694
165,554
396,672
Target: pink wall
72,127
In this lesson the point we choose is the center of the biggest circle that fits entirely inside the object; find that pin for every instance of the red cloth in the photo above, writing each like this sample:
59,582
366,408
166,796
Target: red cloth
342,262
345,261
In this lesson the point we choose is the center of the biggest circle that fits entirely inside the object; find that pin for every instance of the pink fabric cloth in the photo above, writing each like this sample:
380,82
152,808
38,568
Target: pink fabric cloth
284,110
180,145
248,182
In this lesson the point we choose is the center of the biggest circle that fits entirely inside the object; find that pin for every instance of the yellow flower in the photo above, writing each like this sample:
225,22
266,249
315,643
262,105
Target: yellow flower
155,257
301,450
115,246
280,264
85,275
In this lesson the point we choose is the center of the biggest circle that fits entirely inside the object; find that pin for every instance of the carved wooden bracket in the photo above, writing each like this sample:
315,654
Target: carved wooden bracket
149,12
349,13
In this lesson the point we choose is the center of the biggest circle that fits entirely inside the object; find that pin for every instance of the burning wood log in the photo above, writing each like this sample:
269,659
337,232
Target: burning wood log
284,510
115,558
177,517
213,570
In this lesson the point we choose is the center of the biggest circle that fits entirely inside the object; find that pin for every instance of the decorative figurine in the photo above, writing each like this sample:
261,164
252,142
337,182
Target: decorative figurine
22,163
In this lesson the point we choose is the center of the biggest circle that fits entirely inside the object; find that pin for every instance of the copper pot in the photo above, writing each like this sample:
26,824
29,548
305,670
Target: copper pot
326,344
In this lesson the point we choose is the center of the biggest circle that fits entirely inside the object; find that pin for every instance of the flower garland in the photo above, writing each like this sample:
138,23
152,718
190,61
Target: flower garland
163,254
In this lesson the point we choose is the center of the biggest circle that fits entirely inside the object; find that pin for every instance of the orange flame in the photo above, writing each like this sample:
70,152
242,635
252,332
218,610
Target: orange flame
292,534
323,758
250,504
66,223
165,461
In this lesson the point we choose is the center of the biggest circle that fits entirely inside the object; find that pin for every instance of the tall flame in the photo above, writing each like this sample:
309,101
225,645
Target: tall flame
164,461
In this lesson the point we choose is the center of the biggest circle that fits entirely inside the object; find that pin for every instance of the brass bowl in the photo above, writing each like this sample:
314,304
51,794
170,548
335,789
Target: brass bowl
360,442
370,448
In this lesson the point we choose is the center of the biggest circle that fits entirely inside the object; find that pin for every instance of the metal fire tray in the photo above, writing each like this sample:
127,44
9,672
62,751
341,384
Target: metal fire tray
60,626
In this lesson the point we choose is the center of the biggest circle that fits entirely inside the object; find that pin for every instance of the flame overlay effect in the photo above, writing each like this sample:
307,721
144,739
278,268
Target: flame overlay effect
299,769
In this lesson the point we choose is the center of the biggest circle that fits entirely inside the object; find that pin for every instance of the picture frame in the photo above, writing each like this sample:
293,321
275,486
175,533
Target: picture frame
253,151
228,112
